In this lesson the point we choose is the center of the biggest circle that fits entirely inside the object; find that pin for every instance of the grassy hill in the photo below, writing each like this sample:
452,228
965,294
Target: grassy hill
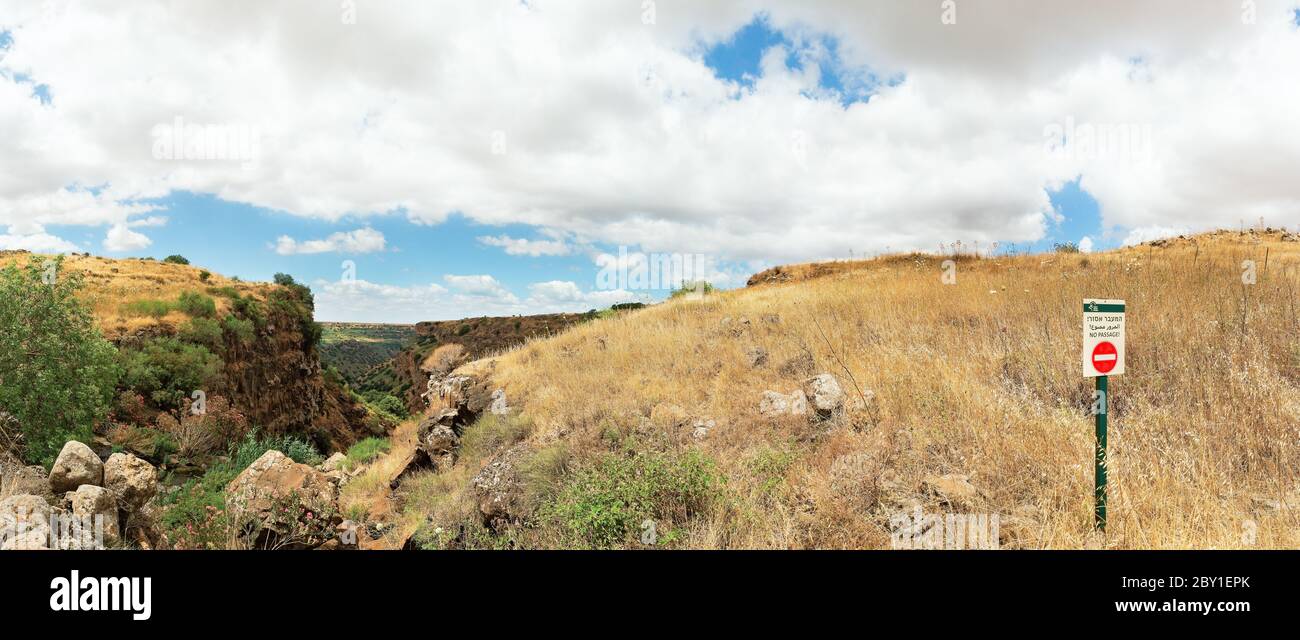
979,379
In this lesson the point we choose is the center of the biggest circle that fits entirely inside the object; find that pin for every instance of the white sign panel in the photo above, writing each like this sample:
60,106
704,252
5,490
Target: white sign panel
1103,338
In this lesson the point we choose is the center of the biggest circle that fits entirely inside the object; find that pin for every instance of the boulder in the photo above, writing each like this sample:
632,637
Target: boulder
257,498
90,501
775,404
76,465
952,489
132,481
334,463
825,395
24,522
498,488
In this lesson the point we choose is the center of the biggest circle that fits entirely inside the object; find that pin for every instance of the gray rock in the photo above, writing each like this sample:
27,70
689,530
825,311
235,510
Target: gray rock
756,356
498,406
132,481
824,394
24,522
93,506
76,465
334,463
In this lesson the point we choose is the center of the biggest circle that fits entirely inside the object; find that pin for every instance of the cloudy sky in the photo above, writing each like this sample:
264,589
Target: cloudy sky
427,160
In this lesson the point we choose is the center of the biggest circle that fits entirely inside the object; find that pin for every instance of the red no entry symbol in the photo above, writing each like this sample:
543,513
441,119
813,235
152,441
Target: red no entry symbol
1104,357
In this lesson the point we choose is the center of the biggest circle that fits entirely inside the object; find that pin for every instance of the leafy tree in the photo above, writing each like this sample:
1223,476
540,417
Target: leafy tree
57,372
176,260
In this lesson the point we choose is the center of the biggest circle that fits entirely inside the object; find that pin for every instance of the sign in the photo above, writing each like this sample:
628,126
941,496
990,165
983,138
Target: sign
1103,338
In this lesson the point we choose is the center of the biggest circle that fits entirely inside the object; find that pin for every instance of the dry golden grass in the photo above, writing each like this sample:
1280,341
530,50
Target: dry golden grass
111,285
980,378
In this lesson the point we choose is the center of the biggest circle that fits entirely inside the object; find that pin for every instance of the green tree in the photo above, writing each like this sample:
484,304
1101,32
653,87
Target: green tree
57,372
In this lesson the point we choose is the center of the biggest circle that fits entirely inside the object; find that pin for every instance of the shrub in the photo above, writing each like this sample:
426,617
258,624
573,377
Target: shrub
367,450
150,308
204,331
176,259
241,330
204,275
167,370
225,292
57,372
252,448
606,505
216,430
196,304
699,286
1065,247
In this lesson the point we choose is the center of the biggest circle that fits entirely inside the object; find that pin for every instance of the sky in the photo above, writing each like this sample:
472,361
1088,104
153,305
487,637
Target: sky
425,160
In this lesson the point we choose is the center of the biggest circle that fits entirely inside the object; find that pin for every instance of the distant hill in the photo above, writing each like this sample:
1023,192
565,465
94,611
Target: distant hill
353,349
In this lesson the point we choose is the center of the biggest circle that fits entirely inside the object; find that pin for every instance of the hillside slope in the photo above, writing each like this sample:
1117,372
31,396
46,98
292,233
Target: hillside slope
181,329
964,398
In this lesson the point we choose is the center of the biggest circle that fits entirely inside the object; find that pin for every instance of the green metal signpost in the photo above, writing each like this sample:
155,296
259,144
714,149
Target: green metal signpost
1103,356
1099,476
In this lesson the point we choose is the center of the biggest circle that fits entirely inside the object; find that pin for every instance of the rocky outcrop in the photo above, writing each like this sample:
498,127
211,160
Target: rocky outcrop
280,503
76,465
479,337
498,489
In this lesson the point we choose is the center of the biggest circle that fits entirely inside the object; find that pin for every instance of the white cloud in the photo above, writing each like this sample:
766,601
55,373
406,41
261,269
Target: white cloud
615,131
1085,245
480,286
34,239
1147,234
525,247
365,240
120,239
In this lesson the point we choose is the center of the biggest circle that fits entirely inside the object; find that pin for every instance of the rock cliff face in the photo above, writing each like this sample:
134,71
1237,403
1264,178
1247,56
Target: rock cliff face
277,381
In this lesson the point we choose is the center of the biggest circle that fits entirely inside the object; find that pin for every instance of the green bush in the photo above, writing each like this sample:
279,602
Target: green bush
197,304
204,331
242,330
57,372
698,286
225,292
167,370
150,308
204,275
606,505
176,259
367,450
252,448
